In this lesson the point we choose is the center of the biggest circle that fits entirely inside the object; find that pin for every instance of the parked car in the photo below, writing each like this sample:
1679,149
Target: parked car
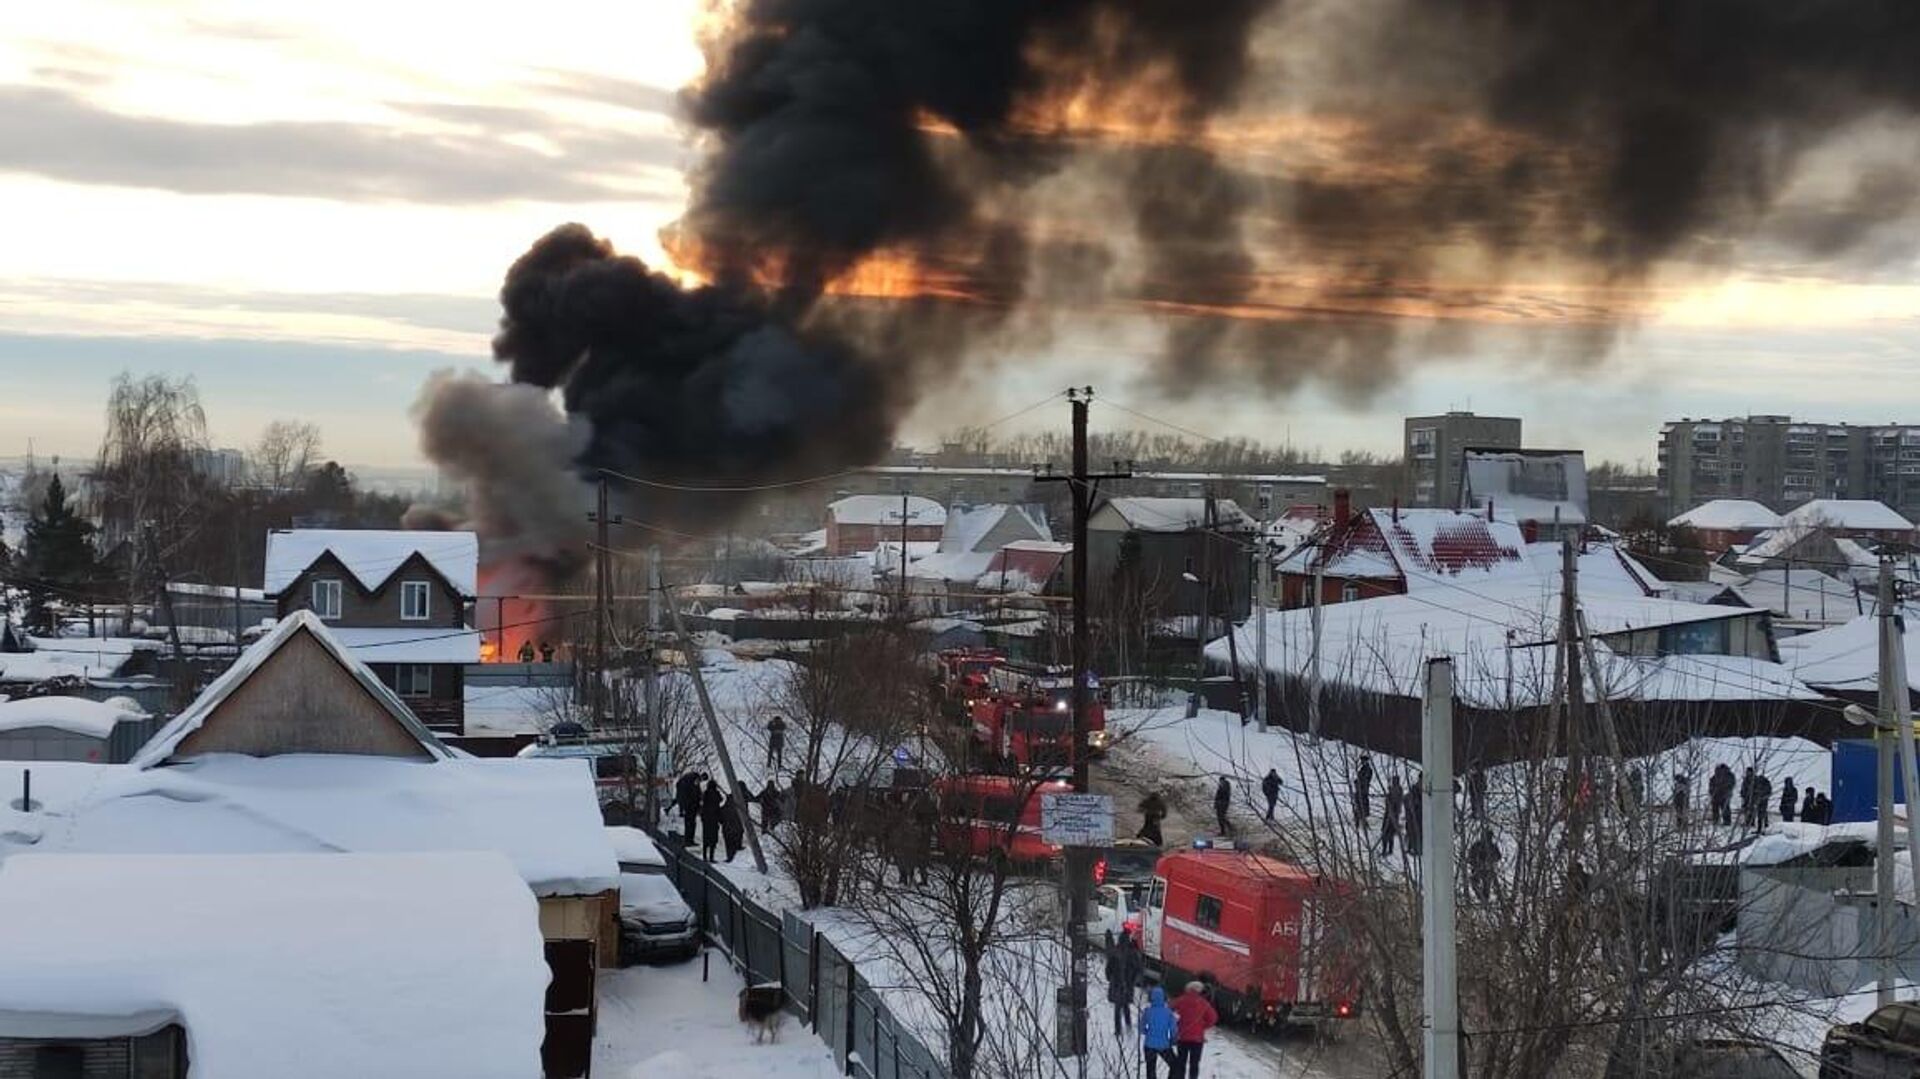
654,920
1884,1044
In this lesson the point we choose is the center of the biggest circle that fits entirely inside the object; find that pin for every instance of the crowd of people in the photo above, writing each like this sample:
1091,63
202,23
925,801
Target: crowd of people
1171,1033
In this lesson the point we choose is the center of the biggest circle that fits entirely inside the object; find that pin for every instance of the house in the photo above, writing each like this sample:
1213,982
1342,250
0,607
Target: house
398,600
1852,518
1174,552
1032,567
974,536
221,613
1801,599
258,964
1543,491
1384,552
1727,522
857,524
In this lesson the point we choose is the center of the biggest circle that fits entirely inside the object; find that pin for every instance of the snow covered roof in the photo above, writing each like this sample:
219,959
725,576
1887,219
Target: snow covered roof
514,709
217,591
1846,657
885,510
161,746
1382,644
1425,543
1802,594
1527,485
1024,566
1851,513
372,555
414,644
1178,514
286,965
75,715
544,815
1728,515
970,528
956,566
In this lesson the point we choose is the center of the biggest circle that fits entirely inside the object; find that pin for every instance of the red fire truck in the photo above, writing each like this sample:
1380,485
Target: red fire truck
983,814
1027,719
961,677
1265,933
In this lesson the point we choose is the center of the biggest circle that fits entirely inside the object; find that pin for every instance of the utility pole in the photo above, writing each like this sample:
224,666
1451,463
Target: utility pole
903,556
1263,580
739,792
1896,735
653,685
1575,687
1082,485
1313,655
599,666
1439,968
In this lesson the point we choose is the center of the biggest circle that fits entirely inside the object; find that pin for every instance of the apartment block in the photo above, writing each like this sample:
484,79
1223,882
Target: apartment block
1782,463
1434,445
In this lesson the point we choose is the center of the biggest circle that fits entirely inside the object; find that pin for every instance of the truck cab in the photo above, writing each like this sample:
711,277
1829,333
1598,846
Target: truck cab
1266,934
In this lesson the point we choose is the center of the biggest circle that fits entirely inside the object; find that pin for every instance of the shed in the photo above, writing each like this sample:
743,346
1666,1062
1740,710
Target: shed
70,729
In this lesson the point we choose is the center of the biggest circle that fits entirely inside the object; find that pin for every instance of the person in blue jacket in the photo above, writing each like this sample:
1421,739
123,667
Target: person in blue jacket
1157,1027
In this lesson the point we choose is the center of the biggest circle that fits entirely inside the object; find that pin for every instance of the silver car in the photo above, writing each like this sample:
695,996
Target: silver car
654,920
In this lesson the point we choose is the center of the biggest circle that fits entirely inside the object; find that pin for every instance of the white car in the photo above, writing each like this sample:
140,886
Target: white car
654,920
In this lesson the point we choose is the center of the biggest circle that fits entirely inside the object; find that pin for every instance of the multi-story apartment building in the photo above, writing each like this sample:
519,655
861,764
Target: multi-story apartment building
1434,445
1782,463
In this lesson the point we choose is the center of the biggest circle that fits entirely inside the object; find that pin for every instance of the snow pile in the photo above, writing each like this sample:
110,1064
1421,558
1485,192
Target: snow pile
372,555
75,715
282,965
665,1022
544,815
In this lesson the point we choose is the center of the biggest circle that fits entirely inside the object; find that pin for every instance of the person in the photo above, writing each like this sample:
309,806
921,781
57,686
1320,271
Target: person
1410,806
1195,1017
732,829
1363,792
1823,810
1477,791
1787,799
1681,789
776,743
686,795
710,802
1636,788
1809,811
1124,967
1270,786
1746,798
1762,801
546,652
1720,794
526,651
769,800
1158,1025
1153,810
1222,798
1483,856
1390,819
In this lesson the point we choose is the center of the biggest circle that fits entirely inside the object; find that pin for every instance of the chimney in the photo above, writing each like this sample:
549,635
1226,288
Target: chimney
1396,510
1530,531
1489,511
1342,505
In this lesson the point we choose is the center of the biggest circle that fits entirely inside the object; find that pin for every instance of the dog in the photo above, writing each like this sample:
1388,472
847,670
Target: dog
762,1010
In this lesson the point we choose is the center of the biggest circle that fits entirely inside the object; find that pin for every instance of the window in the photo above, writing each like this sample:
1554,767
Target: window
414,679
414,600
1157,898
1206,912
613,766
326,598
1349,592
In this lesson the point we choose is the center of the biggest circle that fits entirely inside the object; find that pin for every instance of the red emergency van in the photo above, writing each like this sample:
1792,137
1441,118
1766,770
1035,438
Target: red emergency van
1267,934
986,813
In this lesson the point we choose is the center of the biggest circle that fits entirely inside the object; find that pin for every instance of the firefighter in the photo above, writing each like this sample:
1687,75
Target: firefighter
1390,820
1483,855
1222,798
1363,792
1270,786
776,743
1153,810
1787,791
546,652
526,651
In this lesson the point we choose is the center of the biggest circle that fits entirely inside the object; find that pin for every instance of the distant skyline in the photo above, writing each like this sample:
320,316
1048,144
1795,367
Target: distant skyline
309,218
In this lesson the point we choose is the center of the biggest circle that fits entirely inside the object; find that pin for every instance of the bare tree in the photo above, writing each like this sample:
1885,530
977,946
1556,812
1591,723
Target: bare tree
284,453
147,475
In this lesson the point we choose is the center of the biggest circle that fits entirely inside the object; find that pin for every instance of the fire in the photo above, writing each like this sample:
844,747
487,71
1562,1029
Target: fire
509,621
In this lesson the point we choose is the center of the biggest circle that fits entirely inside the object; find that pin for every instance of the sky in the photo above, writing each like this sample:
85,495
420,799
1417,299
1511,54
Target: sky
308,208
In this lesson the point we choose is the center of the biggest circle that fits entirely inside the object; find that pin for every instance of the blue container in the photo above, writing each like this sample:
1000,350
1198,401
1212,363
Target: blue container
1856,796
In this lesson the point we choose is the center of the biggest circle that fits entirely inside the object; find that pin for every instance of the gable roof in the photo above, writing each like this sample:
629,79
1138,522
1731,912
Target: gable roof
1425,543
1861,513
1527,485
1728,515
372,555
1178,514
885,510
160,748
969,528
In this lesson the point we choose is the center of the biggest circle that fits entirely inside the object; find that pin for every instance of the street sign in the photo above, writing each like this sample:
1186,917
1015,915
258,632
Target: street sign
1076,820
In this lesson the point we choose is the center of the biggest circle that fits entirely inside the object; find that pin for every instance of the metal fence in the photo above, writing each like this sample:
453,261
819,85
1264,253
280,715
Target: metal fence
822,986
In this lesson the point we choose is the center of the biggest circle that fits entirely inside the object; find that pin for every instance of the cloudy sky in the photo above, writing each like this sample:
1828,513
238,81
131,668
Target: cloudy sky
308,208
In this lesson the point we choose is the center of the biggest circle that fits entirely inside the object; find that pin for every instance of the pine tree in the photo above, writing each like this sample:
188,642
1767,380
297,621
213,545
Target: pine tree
57,556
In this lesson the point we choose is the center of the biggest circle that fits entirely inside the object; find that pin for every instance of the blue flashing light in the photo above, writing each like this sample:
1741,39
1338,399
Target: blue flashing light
1203,844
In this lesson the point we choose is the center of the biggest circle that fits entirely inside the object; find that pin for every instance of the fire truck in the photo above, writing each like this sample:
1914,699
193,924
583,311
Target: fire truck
1026,719
961,677
983,814
1265,934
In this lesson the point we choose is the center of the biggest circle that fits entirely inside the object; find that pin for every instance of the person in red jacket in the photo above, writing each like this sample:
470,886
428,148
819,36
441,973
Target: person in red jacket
1196,1016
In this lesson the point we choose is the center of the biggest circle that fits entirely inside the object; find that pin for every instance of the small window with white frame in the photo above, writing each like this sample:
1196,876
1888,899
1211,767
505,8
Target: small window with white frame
326,598
415,679
415,601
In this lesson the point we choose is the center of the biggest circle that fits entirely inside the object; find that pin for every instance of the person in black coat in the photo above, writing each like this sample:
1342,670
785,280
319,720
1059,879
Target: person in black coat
770,805
1788,799
1762,801
1270,786
1720,795
1124,969
1222,798
1410,806
1153,810
776,743
1390,820
1363,792
733,830
1483,856
710,803
1682,787
1809,810
686,796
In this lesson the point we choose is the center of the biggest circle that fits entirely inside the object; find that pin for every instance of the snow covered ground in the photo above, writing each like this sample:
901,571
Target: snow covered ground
663,1022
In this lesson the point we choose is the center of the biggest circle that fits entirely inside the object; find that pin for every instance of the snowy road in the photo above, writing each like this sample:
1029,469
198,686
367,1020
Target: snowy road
662,1021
